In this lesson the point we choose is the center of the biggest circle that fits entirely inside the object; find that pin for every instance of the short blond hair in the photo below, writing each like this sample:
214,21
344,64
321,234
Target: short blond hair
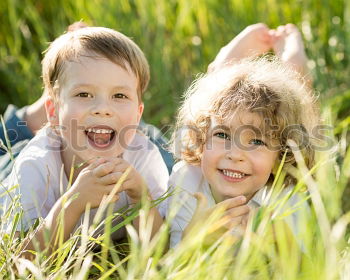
264,86
99,41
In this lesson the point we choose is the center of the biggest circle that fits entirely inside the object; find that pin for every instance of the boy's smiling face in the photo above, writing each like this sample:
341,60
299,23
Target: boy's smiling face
236,159
98,108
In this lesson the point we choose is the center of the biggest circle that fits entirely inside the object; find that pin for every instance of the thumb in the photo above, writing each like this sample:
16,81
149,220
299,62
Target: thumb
202,202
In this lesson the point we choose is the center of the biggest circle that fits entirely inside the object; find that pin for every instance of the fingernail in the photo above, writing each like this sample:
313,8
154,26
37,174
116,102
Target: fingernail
243,198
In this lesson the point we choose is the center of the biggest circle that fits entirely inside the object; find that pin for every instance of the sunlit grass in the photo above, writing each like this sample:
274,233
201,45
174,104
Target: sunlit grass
179,39
266,251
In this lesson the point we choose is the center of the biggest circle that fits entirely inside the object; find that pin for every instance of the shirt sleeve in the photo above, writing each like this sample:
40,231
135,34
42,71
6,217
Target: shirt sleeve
181,206
29,182
154,171
298,209
296,212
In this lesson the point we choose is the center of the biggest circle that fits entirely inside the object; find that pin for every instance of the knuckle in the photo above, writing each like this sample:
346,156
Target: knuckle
105,169
114,177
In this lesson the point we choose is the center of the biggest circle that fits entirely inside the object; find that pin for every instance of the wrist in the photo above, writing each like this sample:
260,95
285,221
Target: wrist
75,205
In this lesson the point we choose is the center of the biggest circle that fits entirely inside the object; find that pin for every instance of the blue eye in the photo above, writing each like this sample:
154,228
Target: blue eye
257,142
83,94
120,95
222,135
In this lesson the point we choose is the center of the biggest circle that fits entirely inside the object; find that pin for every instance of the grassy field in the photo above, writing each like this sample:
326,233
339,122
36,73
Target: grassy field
180,38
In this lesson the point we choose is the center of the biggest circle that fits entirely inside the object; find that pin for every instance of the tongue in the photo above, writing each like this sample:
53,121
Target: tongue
99,138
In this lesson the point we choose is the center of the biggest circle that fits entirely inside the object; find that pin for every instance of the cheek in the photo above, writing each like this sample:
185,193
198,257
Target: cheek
70,122
71,112
208,162
263,164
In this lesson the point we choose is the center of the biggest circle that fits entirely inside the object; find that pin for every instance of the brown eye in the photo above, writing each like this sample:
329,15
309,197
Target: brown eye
120,96
83,94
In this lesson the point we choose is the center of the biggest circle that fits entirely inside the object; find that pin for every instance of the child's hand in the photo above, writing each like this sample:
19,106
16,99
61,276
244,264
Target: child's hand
254,40
93,183
234,216
134,185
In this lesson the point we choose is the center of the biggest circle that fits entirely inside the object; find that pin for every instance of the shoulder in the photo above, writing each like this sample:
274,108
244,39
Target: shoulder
40,156
141,148
145,157
186,176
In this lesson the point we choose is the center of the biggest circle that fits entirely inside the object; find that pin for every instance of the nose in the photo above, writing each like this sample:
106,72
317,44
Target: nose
235,153
102,108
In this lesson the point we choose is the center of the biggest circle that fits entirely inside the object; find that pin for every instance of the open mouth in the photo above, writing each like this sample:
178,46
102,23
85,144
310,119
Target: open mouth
233,174
100,137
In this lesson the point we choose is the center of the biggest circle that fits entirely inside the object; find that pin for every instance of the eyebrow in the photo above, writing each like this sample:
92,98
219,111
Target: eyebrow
221,127
124,87
251,129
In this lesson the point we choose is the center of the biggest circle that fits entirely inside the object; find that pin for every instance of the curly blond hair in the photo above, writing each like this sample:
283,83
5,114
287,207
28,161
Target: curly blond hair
264,86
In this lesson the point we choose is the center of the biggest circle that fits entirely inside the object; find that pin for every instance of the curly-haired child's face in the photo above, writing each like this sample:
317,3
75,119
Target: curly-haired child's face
237,159
98,108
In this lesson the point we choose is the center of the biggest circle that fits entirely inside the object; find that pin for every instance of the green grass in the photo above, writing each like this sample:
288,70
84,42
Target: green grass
168,32
265,252
179,38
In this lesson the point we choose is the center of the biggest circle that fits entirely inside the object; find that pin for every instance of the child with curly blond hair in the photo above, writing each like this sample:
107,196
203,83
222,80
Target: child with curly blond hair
233,130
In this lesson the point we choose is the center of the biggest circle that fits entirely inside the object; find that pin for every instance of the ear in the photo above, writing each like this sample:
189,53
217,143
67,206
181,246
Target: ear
51,108
140,111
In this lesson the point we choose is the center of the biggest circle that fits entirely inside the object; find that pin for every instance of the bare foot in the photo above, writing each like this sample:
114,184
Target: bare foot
254,40
288,45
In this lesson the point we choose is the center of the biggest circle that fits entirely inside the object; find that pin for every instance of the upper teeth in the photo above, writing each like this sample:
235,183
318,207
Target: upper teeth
233,174
101,130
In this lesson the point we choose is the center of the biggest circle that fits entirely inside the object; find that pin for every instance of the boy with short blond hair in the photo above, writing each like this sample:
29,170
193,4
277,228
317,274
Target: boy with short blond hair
95,78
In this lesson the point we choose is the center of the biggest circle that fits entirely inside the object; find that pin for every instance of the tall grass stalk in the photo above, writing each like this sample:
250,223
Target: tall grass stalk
266,251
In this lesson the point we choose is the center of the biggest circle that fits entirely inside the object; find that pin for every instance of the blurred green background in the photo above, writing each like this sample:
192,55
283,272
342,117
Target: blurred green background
179,38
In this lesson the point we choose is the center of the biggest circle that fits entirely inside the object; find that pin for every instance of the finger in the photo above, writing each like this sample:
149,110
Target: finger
110,178
125,184
229,223
113,198
115,160
202,202
121,166
245,220
238,211
232,202
93,163
237,222
129,182
103,169
113,188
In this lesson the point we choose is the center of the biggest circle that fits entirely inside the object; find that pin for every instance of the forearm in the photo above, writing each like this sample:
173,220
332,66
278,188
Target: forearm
58,225
156,218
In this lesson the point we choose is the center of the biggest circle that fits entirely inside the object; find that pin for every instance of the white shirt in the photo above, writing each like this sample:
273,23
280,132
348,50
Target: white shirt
39,173
185,180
